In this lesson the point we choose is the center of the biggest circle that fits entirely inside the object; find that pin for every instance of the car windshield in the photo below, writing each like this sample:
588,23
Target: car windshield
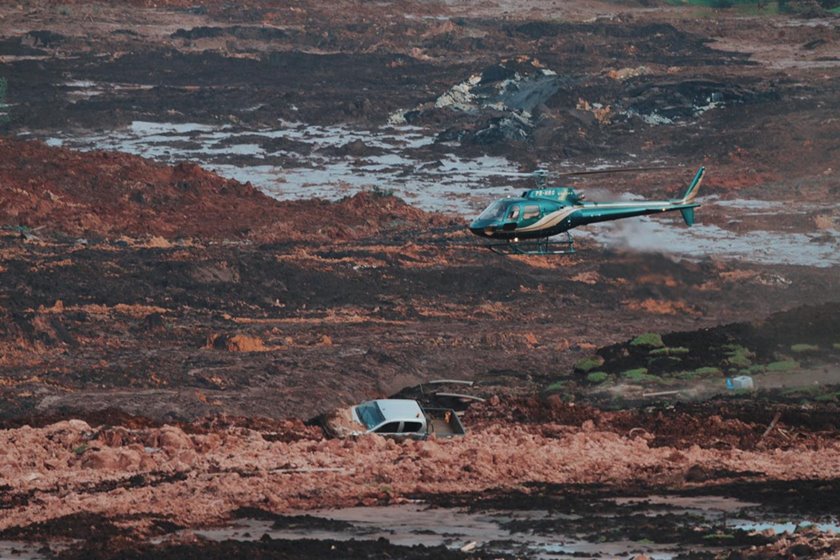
495,211
369,414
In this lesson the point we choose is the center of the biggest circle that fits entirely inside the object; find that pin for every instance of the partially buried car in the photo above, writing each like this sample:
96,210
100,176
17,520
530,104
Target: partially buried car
392,418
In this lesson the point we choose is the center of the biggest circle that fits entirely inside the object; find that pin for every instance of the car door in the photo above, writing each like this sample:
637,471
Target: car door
389,428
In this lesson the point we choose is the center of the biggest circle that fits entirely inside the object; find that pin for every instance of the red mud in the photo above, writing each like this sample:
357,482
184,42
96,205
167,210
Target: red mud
143,336
72,467
109,194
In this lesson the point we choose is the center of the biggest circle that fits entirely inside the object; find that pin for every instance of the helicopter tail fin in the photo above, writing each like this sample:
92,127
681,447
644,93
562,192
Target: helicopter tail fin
688,216
691,193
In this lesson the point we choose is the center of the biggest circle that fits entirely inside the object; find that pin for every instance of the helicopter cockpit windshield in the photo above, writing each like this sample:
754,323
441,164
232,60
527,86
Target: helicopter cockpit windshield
501,209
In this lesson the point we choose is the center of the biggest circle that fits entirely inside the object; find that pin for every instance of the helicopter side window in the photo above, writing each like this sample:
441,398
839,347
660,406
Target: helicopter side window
513,213
531,212
495,211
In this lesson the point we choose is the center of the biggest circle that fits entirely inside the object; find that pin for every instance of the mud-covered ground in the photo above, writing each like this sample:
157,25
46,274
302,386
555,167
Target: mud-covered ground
168,330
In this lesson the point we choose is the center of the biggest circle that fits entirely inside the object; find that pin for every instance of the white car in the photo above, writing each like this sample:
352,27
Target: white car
392,417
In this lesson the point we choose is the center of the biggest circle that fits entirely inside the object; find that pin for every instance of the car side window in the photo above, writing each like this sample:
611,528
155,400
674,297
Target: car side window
410,427
389,428
530,212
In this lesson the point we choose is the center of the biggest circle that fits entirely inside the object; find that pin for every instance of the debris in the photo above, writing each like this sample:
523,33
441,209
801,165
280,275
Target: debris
740,382
505,98
601,113
668,102
627,73
771,426
469,547
450,381
461,396
661,394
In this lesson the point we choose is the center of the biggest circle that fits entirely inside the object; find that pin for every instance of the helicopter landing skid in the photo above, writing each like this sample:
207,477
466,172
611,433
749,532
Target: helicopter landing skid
537,247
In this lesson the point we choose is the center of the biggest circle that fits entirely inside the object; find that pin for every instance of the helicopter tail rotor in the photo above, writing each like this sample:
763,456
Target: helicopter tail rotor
690,196
691,193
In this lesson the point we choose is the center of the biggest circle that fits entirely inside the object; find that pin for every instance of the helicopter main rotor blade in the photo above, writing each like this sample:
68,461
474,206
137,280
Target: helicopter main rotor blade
613,170
544,173
487,173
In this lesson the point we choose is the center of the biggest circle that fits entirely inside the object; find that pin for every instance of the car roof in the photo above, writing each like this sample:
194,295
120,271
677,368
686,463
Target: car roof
399,409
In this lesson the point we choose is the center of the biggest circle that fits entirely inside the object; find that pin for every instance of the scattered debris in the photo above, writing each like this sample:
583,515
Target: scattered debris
469,547
772,425
505,98
740,383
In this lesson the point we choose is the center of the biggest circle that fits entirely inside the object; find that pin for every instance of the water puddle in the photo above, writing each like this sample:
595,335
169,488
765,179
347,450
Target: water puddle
660,526
416,524
295,160
80,90
706,506
10,550
530,533
778,528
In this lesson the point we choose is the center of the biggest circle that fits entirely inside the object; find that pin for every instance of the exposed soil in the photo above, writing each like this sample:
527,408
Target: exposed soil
176,478
109,195
165,331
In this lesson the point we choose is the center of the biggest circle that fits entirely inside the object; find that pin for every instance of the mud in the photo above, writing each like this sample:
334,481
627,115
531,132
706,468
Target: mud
270,548
186,330
235,262
69,467
250,75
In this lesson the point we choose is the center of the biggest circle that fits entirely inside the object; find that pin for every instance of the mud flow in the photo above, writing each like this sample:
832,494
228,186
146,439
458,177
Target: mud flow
220,221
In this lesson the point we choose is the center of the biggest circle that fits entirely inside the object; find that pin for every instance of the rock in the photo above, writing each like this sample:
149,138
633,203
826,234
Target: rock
172,438
696,473
68,432
153,322
236,343
101,459
209,442
114,437
356,148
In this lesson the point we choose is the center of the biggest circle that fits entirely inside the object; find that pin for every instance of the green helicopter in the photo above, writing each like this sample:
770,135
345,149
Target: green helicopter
525,224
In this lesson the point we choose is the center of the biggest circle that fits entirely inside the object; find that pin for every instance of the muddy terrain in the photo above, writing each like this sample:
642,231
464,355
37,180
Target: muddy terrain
219,220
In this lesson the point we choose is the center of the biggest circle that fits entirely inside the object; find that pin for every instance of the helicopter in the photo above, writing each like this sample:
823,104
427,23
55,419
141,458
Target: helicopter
525,224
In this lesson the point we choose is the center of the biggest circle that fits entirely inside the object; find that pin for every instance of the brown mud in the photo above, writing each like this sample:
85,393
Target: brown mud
360,65
177,478
165,331
107,195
